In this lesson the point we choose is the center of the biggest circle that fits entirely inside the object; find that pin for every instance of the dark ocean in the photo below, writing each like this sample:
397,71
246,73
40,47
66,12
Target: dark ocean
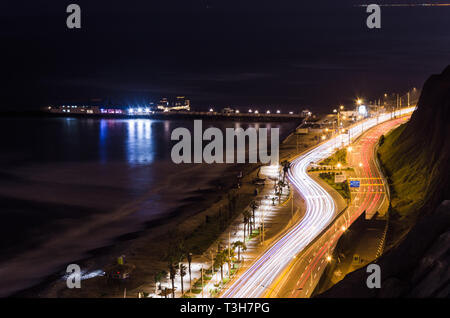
70,185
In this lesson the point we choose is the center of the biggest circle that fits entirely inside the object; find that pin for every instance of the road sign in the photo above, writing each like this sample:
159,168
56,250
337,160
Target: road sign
354,184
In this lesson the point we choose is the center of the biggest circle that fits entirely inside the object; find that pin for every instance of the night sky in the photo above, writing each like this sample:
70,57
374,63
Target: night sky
239,53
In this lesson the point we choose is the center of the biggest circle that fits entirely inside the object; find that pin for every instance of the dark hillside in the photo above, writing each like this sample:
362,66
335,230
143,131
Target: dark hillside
416,157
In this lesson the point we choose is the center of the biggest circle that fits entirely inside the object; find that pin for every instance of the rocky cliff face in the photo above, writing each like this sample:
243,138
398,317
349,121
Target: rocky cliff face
426,139
419,266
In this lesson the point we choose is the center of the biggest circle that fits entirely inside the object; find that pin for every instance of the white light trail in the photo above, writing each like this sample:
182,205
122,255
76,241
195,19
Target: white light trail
320,211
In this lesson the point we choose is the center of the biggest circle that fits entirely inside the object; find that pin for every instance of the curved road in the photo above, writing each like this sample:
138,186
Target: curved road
257,280
302,276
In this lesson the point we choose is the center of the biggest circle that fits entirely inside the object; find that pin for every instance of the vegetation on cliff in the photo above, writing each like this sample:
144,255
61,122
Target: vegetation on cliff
416,160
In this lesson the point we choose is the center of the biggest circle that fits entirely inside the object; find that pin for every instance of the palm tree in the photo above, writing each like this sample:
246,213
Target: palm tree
239,245
219,261
158,279
245,223
189,258
182,269
253,206
286,165
229,257
247,219
172,272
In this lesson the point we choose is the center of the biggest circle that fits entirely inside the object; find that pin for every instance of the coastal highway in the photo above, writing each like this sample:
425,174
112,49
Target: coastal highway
271,267
303,274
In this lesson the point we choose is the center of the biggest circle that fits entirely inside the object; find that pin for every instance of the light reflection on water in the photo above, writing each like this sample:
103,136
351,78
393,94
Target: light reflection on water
140,148
75,171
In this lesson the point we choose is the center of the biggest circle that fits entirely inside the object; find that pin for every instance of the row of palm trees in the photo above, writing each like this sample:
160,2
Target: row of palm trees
223,256
228,256
249,219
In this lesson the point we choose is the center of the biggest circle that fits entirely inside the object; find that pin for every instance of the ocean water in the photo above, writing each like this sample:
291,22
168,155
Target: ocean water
68,186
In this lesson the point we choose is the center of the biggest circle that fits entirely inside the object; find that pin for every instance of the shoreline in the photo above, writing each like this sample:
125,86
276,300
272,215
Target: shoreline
100,257
158,230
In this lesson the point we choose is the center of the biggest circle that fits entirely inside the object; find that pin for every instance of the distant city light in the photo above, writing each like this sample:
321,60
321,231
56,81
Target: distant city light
256,112
278,111
290,113
237,111
249,110
211,110
362,110
268,112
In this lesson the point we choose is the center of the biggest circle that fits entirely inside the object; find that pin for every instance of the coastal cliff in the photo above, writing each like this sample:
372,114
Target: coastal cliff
416,159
